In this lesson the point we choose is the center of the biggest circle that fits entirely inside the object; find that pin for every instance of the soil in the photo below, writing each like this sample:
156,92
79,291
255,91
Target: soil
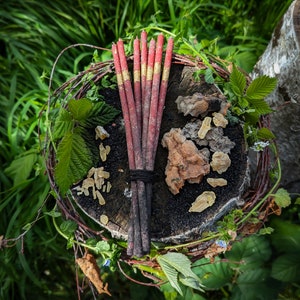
171,220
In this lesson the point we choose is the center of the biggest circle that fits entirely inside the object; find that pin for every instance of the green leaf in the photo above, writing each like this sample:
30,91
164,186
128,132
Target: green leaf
68,228
74,161
174,263
63,124
100,114
261,87
260,105
20,168
214,275
209,76
265,134
102,246
286,267
80,109
286,237
251,252
171,274
237,81
282,198
254,284
53,213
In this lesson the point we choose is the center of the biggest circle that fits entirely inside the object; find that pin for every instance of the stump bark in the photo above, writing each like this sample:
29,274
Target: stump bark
171,220
281,59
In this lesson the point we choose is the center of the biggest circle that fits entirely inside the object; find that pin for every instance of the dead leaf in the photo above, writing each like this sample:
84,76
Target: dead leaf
89,267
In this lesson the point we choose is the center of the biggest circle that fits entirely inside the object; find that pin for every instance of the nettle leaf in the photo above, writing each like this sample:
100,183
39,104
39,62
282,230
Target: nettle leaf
80,108
209,76
251,252
215,275
174,264
237,81
74,160
282,198
286,267
100,114
63,124
261,87
171,273
265,134
254,284
260,106
286,236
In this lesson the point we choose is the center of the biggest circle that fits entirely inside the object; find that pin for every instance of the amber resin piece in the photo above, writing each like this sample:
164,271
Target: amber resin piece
203,201
185,161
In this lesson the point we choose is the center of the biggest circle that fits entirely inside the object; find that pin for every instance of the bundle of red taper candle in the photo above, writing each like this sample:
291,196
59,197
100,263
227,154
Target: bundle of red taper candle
142,107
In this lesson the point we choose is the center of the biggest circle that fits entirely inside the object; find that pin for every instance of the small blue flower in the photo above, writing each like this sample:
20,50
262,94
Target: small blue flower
106,263
221,243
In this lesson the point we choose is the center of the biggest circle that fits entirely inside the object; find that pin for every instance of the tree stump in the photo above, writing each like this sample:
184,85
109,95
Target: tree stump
281,59
171,221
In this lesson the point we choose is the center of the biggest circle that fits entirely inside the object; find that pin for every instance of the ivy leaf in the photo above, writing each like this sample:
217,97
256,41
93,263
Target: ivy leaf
74,160
80,109
237,81
100,114
286,267
64,123
174,264
282,198
261,87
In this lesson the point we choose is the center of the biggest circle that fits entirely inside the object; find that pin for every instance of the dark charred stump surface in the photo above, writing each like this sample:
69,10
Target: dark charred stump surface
171,220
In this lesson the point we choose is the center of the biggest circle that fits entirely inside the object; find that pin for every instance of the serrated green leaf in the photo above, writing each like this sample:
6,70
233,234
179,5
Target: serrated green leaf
237,81
68,228
286,267
254,284
171,274
209,76
74,161
63,124
260,106
190,282
215,275
265,134
180,262
261,87
80,109
251,252
282,198
286,236
102,246
100,114
266,230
